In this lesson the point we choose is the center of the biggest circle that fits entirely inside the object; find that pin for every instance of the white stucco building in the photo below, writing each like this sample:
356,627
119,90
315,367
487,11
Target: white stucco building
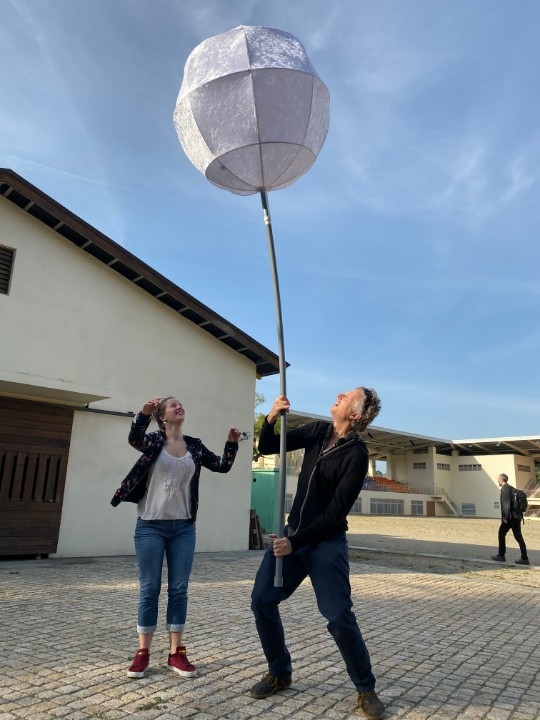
88,332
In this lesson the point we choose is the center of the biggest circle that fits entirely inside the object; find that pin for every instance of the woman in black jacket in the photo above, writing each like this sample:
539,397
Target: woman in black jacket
315,544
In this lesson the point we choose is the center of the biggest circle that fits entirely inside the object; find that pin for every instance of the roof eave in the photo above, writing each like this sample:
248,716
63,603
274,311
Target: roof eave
44,208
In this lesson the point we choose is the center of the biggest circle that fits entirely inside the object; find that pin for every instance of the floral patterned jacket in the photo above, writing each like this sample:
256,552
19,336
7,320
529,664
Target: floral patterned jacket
133,486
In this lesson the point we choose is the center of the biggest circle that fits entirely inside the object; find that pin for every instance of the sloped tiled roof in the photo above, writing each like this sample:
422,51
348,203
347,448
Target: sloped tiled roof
41,206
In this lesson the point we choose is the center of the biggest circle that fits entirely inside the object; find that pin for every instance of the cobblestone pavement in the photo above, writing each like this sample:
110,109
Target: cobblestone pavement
454,537
443,646
444,545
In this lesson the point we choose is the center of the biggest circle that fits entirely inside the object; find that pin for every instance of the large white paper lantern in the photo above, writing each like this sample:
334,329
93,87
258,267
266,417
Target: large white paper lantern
252,113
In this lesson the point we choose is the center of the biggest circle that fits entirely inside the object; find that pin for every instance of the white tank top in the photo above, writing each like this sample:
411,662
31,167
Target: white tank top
167,492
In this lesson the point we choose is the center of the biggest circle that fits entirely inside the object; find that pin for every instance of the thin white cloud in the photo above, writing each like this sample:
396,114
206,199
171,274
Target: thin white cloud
467,187
522,177
42,71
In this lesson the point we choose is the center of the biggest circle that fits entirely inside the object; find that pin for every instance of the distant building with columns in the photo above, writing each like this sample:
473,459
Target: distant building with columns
430,476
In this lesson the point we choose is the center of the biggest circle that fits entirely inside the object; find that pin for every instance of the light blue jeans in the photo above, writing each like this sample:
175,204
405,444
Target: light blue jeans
154,540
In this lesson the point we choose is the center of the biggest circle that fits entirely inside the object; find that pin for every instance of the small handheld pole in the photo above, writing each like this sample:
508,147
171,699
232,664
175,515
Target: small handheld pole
278,578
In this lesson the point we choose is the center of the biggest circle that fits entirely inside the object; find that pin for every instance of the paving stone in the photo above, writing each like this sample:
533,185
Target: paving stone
437,642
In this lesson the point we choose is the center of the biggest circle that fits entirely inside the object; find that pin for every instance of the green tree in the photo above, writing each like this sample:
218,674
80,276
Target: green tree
258,423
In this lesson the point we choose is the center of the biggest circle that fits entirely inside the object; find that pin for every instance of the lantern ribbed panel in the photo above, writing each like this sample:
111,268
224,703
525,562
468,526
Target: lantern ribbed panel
252,113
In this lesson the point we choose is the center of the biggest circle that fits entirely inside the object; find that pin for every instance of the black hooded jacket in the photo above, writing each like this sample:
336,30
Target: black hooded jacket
329,481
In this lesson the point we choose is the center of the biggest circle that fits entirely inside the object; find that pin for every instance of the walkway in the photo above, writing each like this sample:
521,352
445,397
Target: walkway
442,646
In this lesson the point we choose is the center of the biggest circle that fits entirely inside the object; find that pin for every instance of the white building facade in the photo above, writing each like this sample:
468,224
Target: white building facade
88,334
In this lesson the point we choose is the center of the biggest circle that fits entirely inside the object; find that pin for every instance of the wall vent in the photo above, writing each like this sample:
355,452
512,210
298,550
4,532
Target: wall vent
7,257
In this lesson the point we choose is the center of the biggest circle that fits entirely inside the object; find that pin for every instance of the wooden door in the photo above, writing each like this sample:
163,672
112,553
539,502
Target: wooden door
430,508
34,447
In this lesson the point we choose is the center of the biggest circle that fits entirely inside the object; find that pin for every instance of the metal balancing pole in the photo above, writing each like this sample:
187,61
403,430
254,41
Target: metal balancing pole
252,116
278,577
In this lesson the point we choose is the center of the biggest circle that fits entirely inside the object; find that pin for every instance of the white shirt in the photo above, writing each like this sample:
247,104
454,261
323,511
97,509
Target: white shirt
168,490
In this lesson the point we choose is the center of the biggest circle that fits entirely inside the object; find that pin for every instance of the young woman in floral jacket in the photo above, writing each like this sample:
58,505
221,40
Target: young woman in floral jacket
164,483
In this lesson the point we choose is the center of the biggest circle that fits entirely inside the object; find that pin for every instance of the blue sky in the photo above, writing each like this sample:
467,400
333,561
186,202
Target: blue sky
408,255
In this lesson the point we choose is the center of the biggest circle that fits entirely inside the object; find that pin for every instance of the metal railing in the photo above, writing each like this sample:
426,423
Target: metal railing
373,480
436,491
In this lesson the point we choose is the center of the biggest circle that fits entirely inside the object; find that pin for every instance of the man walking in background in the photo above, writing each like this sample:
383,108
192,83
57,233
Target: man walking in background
511,520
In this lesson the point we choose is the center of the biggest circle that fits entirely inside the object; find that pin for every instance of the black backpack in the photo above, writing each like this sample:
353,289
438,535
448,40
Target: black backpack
519,502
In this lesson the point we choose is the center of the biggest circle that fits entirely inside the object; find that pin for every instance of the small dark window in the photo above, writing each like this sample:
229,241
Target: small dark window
7,256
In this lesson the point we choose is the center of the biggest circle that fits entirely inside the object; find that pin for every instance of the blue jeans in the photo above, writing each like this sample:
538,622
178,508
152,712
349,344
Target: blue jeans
155,539
327,565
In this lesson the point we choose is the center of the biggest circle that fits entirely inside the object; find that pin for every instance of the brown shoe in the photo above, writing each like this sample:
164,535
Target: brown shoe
269,685
370,705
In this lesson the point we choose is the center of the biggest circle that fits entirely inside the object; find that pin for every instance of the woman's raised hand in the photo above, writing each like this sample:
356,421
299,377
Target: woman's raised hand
234,435
150,406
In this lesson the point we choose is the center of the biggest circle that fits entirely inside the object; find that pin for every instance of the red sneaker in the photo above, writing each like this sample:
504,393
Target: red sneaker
139,664
179,663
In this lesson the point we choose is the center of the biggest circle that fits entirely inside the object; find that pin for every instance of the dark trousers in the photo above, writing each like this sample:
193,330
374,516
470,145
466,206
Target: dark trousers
515,526
327,565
